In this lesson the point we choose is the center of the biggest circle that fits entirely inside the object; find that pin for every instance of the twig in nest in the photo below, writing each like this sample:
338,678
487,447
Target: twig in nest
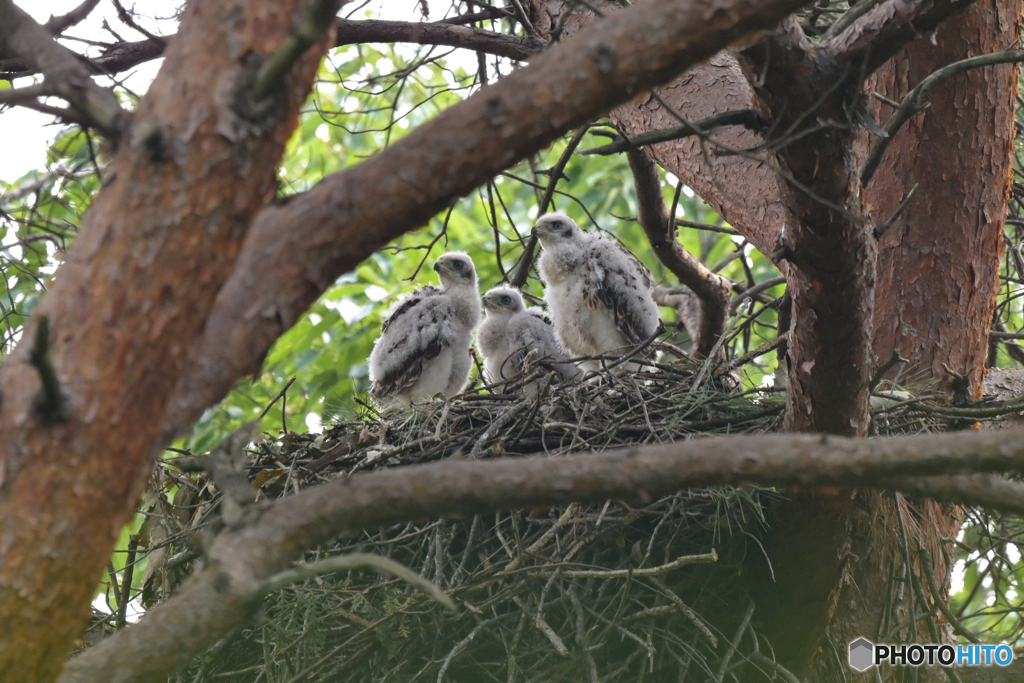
459,647
735,643
356,561
639,349
690,614
706,558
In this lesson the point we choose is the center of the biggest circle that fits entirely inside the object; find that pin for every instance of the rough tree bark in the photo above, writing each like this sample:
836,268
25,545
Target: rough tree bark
178,199
938,264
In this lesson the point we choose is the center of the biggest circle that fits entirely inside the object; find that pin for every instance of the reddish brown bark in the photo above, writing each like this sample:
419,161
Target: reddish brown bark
938,264
121,312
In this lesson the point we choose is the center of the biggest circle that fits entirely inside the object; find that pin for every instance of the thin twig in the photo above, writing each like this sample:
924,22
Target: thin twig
353,562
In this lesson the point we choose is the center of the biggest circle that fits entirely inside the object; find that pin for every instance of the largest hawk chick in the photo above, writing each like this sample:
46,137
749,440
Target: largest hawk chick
598,294
423,347
514,338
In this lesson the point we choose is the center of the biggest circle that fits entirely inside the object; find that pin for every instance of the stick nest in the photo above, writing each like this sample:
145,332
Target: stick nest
579,593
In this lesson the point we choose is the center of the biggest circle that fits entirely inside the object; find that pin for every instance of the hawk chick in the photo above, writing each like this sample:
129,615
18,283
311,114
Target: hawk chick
598,293
423,347
512,337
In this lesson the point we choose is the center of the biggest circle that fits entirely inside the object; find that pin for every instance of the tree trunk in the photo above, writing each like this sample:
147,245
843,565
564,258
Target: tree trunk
938,264
937,271
178,199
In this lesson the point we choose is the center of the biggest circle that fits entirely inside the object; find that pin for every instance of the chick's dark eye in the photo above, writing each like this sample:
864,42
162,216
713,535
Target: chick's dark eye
506,300
458,265
557,225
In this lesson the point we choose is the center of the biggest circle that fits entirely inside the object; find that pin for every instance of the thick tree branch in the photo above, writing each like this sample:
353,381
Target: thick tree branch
281,272
180,200
712,290
59,24
989,492
226,593
872,39
66,77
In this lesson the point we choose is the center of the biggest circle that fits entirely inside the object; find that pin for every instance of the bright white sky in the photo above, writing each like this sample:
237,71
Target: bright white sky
27,134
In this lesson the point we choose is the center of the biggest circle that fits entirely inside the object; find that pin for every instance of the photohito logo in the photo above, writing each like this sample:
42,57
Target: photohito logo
864,654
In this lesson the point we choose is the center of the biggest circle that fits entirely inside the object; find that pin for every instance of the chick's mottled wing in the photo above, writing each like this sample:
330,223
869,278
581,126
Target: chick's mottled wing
417,331
618,281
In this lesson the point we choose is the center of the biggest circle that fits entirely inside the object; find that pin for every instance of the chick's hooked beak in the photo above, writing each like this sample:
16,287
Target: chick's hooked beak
438,266
486,300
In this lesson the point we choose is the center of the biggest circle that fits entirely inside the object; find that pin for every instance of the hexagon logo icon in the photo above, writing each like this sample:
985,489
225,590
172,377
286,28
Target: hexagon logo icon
862,653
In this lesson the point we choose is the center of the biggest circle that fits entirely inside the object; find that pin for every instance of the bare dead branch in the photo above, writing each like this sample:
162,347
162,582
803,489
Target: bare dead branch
357,561
66,77
712,290
127,55
127,19
281,272
482,15
225,594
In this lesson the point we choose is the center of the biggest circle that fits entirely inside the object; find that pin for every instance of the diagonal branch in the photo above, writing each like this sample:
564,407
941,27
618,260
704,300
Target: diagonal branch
225,594
912,103
712,290
56,25
66,76
281,272
747,118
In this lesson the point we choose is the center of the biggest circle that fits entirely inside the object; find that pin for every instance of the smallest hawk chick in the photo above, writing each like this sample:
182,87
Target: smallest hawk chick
513,337
424,343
